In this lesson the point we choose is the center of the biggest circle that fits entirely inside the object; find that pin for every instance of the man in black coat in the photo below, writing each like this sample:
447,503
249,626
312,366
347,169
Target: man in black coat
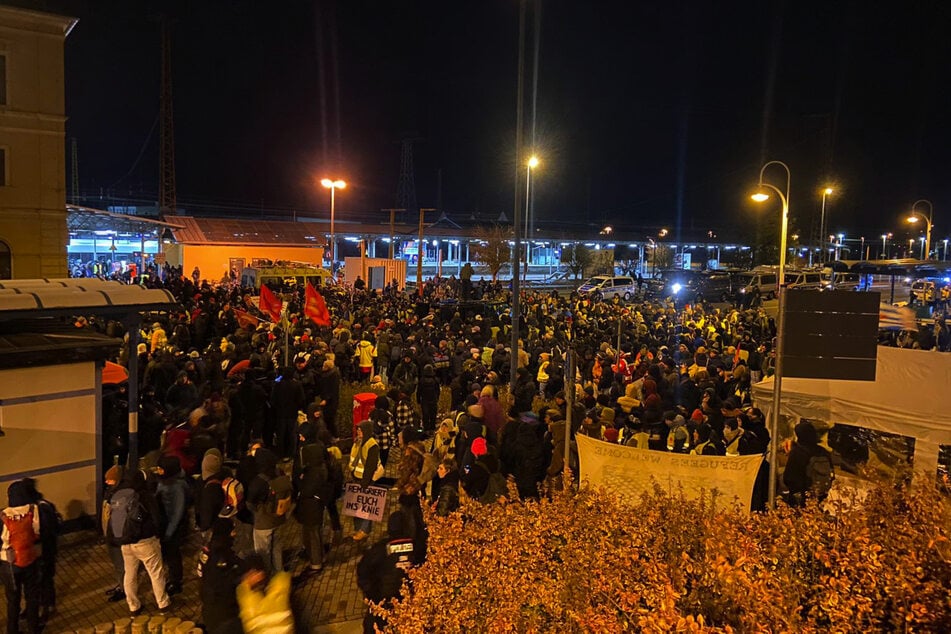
287,398
382,569
328,390
220,570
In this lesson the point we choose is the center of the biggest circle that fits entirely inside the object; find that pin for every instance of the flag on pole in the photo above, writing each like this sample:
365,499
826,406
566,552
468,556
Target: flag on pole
315,308
245,318
896,318
270,304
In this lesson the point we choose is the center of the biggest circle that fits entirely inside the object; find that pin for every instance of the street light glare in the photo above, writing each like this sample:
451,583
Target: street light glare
760,197
533,162
912,219
329,184
827,191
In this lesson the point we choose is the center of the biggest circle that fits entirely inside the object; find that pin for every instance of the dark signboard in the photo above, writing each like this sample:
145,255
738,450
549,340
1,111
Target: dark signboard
831,335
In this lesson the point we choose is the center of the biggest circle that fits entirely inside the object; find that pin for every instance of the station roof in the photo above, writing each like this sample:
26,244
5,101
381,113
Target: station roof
228,231
79,219
44,298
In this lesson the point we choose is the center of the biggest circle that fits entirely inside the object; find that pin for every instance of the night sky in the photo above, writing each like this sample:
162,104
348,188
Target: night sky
645,110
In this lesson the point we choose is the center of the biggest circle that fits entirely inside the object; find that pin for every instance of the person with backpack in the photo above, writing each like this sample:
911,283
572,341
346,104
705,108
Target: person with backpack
50,522
20,553
269,497
112,479
809,472
211,495
133,525
314,491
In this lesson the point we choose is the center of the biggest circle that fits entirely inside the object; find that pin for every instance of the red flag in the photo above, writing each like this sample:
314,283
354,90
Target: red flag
315,308
245,318
270,304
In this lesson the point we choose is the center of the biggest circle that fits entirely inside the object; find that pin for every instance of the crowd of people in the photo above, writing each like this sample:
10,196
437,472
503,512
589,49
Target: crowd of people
242,428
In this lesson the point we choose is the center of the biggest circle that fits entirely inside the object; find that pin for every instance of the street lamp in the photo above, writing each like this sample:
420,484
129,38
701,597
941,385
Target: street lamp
529,166
822,218
839,245
885,237
761,196
944,255
333,186
914,215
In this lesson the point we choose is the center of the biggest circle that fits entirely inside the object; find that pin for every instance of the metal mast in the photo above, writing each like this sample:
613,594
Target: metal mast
167,202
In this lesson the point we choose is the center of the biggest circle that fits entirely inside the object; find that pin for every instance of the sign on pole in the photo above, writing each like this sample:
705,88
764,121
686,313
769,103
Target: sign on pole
365,503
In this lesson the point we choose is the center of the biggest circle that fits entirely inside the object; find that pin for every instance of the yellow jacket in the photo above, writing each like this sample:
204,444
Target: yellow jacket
268,612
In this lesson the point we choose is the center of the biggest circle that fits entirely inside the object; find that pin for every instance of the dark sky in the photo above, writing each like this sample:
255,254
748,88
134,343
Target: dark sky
644,109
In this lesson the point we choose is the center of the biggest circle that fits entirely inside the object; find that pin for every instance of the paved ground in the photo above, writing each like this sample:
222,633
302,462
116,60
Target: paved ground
328,603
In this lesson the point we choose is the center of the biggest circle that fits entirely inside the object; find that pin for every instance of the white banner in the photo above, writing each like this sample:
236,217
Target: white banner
627,472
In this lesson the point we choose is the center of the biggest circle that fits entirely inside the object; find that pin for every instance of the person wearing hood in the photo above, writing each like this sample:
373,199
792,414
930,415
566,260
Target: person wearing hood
50,521
139,540
366,356
211,496
384,427
492,414
220,570
113,477
427,393
406,374
269,497
172,494
314,492
364,459
799,476
383,568
20,557
287,398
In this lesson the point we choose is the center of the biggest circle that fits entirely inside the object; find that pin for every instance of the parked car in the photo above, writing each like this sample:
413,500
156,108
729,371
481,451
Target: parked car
602,286
745,281
804,280
691,286
841,281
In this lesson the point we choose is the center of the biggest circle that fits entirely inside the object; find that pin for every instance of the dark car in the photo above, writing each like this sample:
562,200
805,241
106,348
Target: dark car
691,286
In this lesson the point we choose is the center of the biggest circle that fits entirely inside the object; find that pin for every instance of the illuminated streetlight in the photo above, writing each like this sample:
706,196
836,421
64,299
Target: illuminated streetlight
885,237
914,215
822,218
761,196
529,166
333,186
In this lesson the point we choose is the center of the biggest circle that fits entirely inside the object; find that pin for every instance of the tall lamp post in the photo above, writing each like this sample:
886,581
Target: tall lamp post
333,186
885,237
529,166
914,215
761,196
822,221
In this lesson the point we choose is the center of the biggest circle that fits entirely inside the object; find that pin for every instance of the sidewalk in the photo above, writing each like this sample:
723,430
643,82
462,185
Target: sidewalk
328,603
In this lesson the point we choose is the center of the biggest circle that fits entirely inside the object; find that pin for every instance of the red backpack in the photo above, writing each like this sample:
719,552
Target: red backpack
24,547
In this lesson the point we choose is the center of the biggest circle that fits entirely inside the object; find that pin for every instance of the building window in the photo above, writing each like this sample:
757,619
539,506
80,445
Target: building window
3,80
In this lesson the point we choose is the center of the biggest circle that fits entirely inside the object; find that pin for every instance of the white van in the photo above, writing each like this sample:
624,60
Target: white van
606,286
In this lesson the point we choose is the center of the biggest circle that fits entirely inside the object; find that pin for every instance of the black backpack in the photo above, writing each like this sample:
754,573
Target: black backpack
821,474
126,517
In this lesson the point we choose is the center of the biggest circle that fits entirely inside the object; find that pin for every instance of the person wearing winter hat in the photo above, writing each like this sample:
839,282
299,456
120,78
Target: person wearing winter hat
211,496
21,565
113,477
269,496
173,494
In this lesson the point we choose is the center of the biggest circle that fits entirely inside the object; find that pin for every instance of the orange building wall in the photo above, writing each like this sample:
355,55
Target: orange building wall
213,261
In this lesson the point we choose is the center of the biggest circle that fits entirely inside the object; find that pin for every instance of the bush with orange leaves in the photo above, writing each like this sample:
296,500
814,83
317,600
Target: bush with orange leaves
582,563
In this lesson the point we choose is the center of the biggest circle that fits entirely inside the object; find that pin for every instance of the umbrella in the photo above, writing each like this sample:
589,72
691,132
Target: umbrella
113,374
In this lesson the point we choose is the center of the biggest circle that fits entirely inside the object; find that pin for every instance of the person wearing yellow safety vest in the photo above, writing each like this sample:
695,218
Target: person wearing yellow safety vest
265,604
364,460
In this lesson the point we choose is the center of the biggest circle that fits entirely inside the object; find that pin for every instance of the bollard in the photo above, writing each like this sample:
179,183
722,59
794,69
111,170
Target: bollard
185,627
171,625
155,624
122,626
140,625
104,628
